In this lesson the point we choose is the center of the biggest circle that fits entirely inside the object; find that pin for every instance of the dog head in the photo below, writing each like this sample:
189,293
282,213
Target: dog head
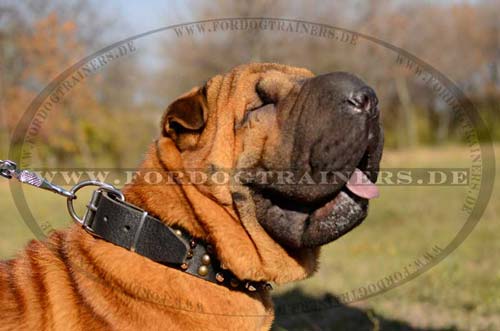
299,153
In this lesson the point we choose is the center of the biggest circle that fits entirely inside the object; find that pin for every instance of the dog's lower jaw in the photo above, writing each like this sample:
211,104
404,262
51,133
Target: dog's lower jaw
298,230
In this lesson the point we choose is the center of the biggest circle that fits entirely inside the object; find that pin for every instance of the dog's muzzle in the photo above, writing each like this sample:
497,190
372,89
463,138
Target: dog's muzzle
334,139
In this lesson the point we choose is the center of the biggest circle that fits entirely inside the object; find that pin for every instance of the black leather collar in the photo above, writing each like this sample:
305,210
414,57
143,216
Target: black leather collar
126,225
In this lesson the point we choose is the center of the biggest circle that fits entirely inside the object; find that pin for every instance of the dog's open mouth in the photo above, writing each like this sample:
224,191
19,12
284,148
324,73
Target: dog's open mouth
295,223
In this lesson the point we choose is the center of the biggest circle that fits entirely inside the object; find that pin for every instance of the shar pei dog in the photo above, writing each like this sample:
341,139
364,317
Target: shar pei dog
298,154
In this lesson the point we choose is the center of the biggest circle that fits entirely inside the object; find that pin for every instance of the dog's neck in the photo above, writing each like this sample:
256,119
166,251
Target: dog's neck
164,200
240,244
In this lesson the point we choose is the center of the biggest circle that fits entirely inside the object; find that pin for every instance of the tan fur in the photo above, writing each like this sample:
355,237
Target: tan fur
76,282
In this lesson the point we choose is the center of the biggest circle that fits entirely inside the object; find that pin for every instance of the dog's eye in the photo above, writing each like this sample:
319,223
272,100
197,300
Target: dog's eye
264,96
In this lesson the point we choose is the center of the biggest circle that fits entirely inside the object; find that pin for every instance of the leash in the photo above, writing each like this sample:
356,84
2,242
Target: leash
109,217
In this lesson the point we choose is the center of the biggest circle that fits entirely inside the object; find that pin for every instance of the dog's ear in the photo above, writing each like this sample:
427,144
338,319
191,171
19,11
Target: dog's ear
186,113
185,118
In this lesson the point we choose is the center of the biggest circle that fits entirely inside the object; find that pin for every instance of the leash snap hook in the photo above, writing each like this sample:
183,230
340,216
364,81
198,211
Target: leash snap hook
7,168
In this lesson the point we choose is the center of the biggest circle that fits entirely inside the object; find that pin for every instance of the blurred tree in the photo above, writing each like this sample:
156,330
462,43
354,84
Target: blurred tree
39,39
37,43
459,39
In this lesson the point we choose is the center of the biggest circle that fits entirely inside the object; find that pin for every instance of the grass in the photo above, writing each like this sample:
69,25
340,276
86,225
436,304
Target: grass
460,293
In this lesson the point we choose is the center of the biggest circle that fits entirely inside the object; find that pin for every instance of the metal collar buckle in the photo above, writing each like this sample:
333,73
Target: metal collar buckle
91,207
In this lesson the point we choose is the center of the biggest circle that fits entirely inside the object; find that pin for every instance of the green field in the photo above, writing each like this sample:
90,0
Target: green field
460,293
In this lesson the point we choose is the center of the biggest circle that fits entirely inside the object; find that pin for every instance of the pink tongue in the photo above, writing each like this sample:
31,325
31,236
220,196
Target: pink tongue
360,185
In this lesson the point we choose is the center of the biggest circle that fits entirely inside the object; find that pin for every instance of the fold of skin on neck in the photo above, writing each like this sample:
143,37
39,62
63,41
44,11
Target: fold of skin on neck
120,288
241,244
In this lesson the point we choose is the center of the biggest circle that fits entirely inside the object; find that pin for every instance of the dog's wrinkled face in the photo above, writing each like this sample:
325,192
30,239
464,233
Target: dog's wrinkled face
329,141
311,146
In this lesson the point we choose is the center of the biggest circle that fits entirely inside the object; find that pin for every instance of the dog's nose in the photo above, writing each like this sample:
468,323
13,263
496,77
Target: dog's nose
365,100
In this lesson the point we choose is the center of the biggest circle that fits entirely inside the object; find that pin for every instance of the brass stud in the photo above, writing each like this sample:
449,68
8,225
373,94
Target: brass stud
184,266
192,243
234,282
178,232
250,287
203,270
219,277
205,259
189,254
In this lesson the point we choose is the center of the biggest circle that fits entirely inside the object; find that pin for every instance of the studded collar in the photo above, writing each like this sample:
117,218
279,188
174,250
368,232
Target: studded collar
123,224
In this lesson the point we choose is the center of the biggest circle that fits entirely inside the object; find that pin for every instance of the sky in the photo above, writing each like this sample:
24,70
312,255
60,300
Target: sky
145,15
141,16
